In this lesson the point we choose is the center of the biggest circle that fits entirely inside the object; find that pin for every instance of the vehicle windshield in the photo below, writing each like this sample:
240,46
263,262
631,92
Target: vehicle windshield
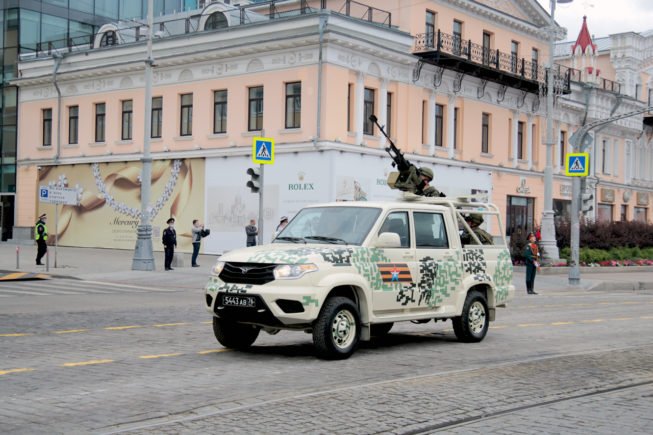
330,225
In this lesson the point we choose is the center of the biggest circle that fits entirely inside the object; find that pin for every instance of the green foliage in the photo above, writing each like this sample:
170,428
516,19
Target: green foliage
590,255
607,235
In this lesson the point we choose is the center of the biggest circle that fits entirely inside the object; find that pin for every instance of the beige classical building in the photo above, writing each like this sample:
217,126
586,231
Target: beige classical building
458,84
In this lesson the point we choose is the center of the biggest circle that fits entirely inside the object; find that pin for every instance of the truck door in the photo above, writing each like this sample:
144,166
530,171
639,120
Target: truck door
396,267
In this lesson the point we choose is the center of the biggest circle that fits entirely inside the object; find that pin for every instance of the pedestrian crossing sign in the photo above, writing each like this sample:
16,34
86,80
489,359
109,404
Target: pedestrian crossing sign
263,150
577,165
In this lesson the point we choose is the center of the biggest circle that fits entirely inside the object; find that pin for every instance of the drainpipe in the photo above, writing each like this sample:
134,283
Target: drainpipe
318,129
58,58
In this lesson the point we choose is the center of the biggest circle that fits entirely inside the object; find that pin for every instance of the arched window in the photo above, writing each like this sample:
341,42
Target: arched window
216,20
109,38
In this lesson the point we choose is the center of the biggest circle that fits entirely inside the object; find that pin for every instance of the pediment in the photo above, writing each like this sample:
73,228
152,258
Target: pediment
529,11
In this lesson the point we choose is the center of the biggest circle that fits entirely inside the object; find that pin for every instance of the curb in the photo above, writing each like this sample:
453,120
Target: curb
22,276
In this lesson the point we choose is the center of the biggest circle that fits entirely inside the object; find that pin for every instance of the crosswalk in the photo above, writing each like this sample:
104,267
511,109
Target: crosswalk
54,287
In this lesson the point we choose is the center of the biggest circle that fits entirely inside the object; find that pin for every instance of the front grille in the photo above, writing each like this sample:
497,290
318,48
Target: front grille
247,273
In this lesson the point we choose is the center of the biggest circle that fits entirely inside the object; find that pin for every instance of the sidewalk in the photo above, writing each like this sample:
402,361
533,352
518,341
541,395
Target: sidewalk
114,265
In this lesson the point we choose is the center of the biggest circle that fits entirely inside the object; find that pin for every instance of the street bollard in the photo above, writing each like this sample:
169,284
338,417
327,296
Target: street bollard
17,257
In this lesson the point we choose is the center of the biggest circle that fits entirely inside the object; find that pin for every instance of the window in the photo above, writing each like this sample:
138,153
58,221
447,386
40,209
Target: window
439,123
455,128
368,109
388,121
457,37
640,214
217,20
604,213
535,57
514,56
293,105
485,133
397,222
624,213
73,124
423,121
349,90
520,215
430,29
604,164
562,210
430,231
487,47
127,107
186,126
638,90
219,111
157,116
100,115
47,127
563,148
255,120
520,140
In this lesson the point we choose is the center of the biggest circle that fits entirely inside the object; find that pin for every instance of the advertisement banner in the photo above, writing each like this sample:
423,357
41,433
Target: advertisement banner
109,202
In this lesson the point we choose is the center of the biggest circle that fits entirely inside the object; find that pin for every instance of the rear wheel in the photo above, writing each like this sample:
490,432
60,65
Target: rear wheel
380,329
337,330
234,335
472,325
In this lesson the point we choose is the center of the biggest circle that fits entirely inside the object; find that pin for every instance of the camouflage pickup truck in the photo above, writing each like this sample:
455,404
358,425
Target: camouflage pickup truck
344,272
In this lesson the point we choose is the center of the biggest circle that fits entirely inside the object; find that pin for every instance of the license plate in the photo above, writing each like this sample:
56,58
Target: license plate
239,301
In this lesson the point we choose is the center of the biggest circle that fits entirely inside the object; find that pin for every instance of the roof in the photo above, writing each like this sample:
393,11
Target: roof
564,49
584,39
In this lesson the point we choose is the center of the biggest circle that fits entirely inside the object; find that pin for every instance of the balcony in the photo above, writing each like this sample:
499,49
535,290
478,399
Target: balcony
463,56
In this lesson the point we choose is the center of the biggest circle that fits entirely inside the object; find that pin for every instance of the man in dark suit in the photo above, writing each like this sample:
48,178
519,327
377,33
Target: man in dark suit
169,242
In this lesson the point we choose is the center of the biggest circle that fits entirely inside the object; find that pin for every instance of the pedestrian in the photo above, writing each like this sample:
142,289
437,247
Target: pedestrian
532,256
41,237
197,231
169,242
282,224
251,232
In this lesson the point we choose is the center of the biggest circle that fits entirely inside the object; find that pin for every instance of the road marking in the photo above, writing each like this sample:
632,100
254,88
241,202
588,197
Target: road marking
623,318
498,327
646,317
592,321
163,355
211,322
528,325
70,331
163,325
122,328
561,323
206,352
17,334
6,372
87,363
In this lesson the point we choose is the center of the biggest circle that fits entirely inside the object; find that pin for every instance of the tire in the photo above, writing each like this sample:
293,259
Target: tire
337,330
380,329
472,325
234,335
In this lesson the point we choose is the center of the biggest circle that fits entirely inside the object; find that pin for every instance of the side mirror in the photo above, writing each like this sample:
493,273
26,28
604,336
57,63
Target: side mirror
388,240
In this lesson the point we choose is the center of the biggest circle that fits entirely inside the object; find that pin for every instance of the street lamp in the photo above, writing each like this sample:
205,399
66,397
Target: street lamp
143,254
548,241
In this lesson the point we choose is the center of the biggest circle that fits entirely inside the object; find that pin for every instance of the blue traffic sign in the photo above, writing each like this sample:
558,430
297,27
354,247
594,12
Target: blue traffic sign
577,165
263,150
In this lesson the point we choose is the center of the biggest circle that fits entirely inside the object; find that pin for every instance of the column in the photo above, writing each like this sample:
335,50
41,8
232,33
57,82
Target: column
529,141
430,136
513,136
360,105
450,125
383,110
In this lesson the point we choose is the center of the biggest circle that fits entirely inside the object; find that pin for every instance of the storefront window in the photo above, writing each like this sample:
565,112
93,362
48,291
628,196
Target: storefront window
605,213
624,213
640,214
520,214
562,210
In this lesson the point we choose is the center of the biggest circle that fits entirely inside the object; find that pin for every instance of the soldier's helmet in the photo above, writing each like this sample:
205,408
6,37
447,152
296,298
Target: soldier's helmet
475,219
427,172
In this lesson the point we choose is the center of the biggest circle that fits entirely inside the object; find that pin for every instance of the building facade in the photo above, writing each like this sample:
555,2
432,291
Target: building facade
459,86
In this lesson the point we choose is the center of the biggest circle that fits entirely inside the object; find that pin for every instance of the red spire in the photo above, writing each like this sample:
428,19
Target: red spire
584,39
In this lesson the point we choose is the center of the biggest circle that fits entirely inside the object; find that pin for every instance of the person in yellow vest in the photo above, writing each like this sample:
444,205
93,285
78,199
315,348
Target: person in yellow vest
41,237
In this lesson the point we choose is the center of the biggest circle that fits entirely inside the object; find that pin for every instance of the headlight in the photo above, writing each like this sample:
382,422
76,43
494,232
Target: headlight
292,271
217,268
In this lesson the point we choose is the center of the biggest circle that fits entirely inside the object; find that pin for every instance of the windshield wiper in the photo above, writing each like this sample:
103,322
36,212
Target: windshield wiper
333,240
291,239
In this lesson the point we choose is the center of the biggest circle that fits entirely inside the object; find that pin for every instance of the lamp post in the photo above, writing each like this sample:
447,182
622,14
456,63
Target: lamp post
143,255
548,241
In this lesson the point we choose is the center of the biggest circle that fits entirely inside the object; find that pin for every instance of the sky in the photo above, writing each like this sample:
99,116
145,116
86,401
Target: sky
604,17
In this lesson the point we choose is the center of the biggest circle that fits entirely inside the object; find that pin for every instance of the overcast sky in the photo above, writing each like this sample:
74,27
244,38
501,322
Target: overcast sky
604,17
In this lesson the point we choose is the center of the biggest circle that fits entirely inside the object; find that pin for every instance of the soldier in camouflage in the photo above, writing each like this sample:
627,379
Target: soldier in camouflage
426,174
474,220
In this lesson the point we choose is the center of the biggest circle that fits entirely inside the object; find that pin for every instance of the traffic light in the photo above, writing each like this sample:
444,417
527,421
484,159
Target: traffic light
254,184
587,202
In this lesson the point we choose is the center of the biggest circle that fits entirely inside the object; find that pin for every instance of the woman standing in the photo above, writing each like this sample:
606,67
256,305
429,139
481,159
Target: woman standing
532,255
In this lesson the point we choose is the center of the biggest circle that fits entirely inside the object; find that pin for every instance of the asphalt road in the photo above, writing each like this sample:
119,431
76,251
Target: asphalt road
80,357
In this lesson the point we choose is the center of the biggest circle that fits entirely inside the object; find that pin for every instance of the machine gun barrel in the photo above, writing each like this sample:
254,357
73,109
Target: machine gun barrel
395,153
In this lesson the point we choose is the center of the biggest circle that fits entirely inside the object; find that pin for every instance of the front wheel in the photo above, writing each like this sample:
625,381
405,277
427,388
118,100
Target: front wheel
337,330
472,325
234,335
